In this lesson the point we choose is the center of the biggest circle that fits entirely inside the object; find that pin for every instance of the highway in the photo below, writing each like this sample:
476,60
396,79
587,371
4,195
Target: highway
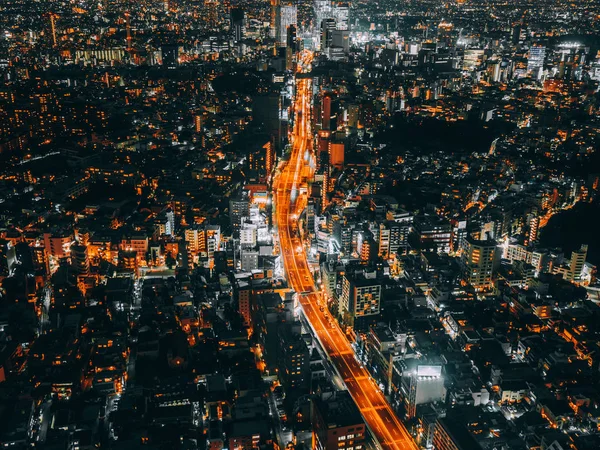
383,423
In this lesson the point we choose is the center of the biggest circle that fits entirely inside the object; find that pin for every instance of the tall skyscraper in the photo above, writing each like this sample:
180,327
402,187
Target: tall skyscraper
323,10
274,9
535,61
478,259
238,19
341,14
287,15
328,26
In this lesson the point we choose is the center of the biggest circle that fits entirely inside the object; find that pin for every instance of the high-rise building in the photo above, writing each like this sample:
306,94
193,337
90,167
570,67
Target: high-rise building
245,305
535,61
398,237
292,39
170,56
383,240
434,232
341,14
577,262
294,360
478,259
337,423
261,162
238,20
238,208
323,10
336,154
80,260
329,107
328,26
422,384
287,15
366,247
249,260
360,301
195,238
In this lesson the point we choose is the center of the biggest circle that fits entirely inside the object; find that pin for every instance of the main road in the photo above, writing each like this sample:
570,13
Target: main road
381,420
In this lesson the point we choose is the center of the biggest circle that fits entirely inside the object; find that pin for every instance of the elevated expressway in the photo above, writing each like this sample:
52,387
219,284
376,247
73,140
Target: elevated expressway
389,432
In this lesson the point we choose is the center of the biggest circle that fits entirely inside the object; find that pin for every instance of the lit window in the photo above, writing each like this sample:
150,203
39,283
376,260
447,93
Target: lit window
341,438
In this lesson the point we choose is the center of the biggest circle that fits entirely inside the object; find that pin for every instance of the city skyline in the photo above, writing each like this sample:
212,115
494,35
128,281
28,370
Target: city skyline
299,224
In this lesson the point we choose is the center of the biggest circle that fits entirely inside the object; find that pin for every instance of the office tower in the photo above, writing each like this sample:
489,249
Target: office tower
323,10
170,56
535,61
577,262
477,259
337,423
434,233
328,26
340,42
248,234
422,384
493,70
341,14
287,15
238,19
360,302
398,237
292,38
515,33
238,207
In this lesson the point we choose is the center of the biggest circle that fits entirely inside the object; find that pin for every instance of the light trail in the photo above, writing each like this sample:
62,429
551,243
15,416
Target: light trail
390,433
